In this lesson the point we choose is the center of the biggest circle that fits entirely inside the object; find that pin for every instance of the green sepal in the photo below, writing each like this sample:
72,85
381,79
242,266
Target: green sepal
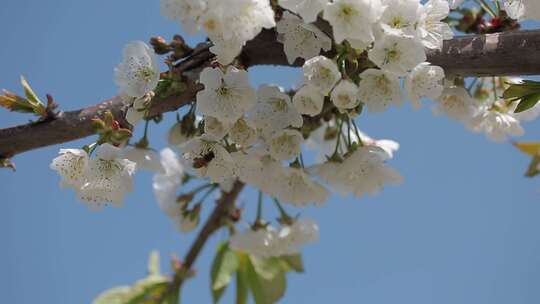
293,262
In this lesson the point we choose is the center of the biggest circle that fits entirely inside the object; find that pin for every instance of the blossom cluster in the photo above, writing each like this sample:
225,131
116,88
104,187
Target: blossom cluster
270,242
106,178
480,108
354,54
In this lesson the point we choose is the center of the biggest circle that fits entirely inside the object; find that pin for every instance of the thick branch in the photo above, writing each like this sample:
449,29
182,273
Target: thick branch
222,211
511,53
503,54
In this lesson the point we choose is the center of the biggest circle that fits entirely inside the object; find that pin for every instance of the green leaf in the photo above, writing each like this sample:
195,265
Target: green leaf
140,294
224,266
143,290
527,92
517,91
255,284
293,262
531,83
242,280
533,171
30,94
266,279
116,295
15,103
267,268
530,148
527,102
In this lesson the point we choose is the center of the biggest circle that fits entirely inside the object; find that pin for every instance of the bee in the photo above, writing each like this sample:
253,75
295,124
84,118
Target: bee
199,162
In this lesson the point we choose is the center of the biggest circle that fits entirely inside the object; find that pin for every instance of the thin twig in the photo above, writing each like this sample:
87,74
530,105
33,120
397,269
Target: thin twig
216,220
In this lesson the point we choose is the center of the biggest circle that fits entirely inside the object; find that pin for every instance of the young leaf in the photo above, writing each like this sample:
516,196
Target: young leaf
241,279
224,266
15,103
256,285
533,171
266,279
532,148
517,91
527,102
527,92
116,295
143,290
29,93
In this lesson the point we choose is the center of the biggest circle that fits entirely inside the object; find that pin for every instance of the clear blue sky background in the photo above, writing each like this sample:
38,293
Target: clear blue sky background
462,229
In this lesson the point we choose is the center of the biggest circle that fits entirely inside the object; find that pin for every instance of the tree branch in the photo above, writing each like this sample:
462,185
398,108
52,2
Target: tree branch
216,220
510,53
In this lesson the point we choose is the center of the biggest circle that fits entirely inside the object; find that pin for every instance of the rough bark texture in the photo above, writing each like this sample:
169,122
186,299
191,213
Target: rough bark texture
511,53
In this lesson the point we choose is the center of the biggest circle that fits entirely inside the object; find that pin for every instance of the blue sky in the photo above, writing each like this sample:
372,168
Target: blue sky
462,229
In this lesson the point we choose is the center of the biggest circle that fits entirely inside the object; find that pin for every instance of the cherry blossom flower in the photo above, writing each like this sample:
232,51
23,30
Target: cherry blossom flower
307,9
456,103
230,24
226,96
497,122
353,19
274,111
138,107
244,133
301,40
209,158
431,29
260,243
138,73
321,73
285,144
297,188
270,242
325,145
400,16
186,12
108,178
166,183
308,100
379,89
397,54
363,171
215,128
345,95
425,80
303,231
71,164
145,159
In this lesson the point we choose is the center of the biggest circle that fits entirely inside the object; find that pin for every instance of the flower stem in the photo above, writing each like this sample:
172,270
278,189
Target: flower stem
338,141
284,217
357,133
259,207
486,7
